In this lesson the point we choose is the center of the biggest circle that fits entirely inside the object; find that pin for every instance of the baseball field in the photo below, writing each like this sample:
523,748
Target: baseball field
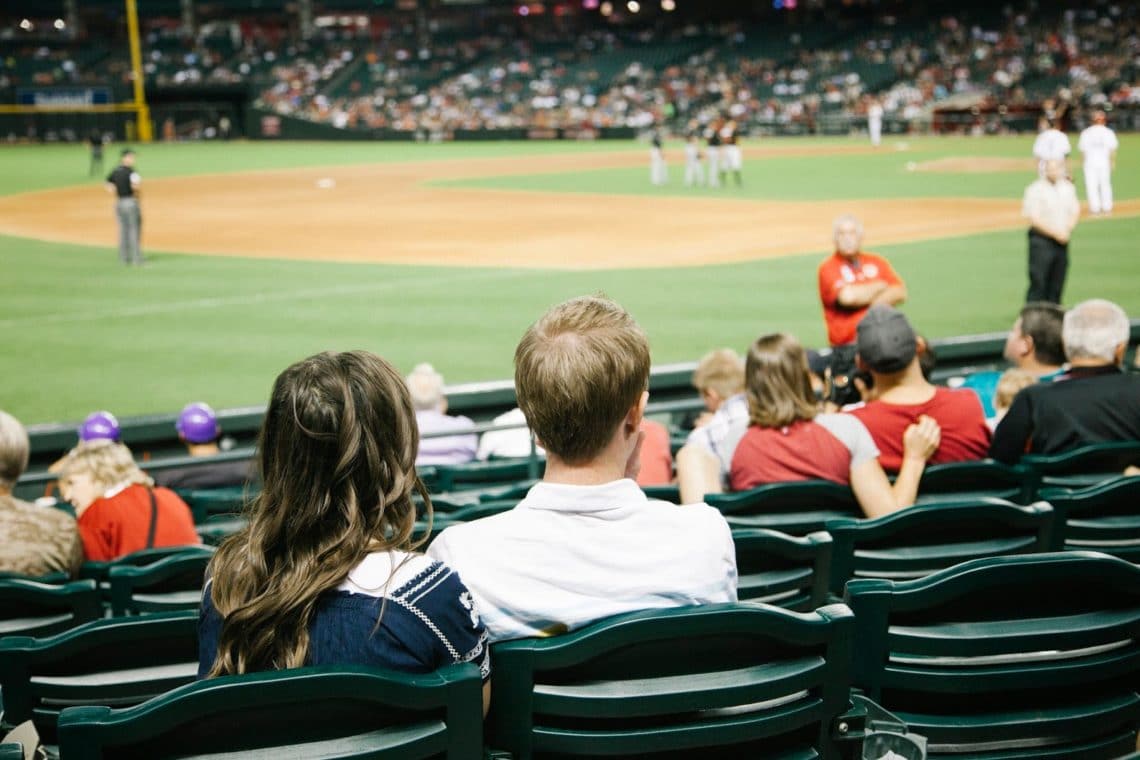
262,253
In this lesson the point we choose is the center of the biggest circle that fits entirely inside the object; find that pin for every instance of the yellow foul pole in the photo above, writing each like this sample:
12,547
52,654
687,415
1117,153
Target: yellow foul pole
142,111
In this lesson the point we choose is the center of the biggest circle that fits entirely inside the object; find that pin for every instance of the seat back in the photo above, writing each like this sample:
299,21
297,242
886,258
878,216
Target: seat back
457,477
1085,466
783,570
101,571
343,712
974,479
31,608
1037,655
213,503
1104,518
719,676
794,508
925,538
115,662
174,583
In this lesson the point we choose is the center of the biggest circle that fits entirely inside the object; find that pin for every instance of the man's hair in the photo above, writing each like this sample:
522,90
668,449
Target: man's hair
722,370
1093,329
779,382
426,387
126,152
844,219
1042,321
578,371
14,449
107,462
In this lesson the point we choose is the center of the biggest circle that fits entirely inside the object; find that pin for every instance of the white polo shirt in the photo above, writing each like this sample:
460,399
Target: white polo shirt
568,555
1055,202
1097,143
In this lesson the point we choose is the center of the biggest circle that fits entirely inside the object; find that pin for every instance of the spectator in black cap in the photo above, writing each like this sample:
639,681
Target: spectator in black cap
888,348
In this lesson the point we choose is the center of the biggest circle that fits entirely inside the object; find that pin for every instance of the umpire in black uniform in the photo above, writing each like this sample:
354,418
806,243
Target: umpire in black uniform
124,182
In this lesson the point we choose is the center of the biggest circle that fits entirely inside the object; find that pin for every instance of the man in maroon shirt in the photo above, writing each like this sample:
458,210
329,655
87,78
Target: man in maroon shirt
889,350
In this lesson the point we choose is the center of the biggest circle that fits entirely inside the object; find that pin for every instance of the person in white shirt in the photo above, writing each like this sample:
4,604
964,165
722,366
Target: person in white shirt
694,170
875,121
1051,145
426,388
1051,206
586,543
1098,145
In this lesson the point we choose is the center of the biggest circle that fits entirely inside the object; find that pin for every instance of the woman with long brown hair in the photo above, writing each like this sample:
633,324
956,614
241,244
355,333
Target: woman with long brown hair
325,571
789,438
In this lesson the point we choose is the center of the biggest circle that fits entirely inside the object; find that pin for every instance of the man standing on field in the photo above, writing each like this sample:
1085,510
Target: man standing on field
1050,204
1098,145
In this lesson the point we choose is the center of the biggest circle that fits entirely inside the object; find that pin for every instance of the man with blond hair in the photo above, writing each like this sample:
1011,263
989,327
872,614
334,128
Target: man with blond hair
34,540
425,386
1095,401
586,542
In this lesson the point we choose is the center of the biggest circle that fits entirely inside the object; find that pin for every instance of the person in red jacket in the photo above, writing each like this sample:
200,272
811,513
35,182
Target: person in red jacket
120,510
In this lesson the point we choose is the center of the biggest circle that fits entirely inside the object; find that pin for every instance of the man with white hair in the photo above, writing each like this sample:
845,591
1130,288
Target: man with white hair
426,388
34,540
1094,402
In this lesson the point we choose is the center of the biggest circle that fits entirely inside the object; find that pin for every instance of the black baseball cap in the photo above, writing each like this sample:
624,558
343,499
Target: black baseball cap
886,341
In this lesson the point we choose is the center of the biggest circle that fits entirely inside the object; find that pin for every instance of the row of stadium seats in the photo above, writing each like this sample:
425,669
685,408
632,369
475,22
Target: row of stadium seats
1021,656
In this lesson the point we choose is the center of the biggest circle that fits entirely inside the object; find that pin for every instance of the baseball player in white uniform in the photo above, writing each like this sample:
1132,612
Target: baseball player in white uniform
658,171
712,153
1051,145
694,171
1098,145
731,159
875,121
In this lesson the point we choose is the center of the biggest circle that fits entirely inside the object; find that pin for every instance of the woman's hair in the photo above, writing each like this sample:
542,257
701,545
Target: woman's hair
336,455
109,463
778,382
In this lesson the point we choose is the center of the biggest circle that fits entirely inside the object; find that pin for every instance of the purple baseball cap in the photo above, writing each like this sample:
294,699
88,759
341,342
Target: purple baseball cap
198,423
99,426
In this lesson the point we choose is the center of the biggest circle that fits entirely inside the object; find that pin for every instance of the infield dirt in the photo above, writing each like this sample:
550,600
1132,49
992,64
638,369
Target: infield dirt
390,213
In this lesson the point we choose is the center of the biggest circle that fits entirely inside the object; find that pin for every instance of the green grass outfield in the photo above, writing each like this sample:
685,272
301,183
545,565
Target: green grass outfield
81,333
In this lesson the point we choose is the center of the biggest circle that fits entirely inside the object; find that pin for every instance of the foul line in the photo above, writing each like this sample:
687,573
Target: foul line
250,299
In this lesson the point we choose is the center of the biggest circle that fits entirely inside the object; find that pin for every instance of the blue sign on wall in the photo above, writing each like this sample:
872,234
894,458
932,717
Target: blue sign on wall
63,97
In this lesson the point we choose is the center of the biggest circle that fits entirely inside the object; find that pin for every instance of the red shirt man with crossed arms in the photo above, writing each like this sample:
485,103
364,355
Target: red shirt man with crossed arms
851,281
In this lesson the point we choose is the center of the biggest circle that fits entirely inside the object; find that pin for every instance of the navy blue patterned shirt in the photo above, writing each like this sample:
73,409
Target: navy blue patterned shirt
429,619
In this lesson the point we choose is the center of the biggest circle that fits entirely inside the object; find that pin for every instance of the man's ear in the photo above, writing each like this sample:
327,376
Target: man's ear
919,345
860,364
633,419
1118,354
1030,347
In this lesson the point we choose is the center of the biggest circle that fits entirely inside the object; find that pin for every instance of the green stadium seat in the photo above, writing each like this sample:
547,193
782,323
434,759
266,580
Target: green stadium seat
664,493
922,539
101,571
1103,518
28,608
214,503
794,508
50,578
174,583
1032,656
346,712
1081,467
500,472
113,662
712,681
984,478
11,751
782,570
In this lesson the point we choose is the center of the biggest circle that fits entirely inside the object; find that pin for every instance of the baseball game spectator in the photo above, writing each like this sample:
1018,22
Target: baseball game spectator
704,461
120,510
1008,386
511,442
656,467
789,439
1033,345
34,540
888,348
718,377
586,543
1094,401
198,429
851,281
426,387
325,573
1051,206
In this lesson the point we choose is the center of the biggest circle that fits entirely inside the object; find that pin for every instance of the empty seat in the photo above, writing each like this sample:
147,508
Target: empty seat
1104,518
29,608
783,570
174,583
795,508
